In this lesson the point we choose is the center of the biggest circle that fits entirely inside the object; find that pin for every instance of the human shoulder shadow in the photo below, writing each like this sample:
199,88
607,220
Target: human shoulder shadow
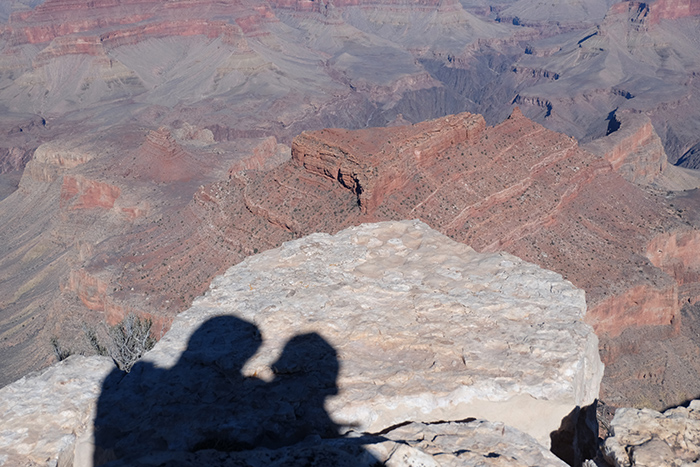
205,402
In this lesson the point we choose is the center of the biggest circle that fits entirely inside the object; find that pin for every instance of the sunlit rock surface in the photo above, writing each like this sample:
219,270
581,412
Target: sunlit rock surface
348,334
649,438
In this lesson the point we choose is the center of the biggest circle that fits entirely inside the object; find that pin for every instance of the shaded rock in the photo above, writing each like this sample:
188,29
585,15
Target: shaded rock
465,444
649,438
477,442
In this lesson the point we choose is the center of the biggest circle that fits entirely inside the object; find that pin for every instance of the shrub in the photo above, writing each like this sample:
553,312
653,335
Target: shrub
60,353
128,341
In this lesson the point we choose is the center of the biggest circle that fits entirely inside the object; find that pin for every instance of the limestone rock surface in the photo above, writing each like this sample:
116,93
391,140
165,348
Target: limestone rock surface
336,346
475,443
42,415
649,438
424,328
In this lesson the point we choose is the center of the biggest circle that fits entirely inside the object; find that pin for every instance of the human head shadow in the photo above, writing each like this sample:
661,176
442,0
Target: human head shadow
205,402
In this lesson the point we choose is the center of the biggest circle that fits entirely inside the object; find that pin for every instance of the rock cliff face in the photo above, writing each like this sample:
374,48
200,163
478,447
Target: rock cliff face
371,330
371,166
634,150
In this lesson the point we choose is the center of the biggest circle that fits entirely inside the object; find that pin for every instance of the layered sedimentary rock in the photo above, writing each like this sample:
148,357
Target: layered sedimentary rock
633,149
621,64
650,438
140,103
515,186
360,332
73,195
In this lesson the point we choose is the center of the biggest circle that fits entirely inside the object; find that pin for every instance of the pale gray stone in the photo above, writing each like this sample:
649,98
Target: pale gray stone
389,323
647,438
425,327
43,414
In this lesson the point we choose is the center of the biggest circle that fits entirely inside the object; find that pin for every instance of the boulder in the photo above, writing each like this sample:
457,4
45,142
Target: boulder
645,437
350,342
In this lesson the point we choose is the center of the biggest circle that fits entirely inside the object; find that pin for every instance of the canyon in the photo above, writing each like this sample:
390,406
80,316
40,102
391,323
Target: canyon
147,147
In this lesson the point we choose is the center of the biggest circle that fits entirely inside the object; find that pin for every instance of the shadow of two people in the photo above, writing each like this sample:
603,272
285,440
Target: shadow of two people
205,402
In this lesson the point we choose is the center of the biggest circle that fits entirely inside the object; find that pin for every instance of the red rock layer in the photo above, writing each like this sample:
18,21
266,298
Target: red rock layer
318,6
676,253
122,21
674,9
635,150
642,13
369,165
89,193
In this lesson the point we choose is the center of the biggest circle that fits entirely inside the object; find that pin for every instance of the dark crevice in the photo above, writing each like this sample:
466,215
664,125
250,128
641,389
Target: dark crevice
408,422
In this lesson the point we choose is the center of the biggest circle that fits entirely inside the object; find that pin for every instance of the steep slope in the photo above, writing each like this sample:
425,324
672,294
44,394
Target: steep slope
73,195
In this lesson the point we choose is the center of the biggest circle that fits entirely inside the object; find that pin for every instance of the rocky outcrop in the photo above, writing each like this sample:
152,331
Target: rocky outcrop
44,416
647,438
390,334
162,159
673,9
634,150
676,254
371,167
515,186
123,22
637,153
265,155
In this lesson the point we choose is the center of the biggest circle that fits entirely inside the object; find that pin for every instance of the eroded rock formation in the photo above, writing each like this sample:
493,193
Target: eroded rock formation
515,186
361,332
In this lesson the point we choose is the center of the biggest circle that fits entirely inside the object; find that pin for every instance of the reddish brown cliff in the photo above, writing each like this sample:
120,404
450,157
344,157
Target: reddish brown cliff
634,150
370,165
673,9
163,159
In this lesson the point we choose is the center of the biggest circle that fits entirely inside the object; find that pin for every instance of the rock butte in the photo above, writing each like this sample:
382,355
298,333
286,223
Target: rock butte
389,323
